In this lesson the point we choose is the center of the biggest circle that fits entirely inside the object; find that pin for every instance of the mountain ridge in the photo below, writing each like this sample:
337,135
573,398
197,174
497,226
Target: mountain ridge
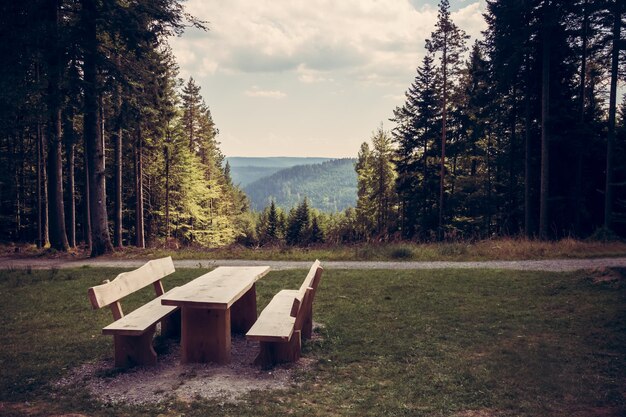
329,186
247,169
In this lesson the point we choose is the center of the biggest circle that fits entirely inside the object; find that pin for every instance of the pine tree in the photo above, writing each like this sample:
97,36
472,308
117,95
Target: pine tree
298,224
383,193
192,105
375,181
448,41
365,209
272,233
416,136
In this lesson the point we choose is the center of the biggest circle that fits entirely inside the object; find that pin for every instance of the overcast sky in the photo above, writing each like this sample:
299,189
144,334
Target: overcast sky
308,77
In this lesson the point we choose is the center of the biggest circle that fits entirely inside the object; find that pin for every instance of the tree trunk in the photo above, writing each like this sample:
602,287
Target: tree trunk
512,223
58,236
578,192
545,114
117,229
101,241
70,152
19,174
139,221
166,152
444,114
44,180
489,186
528,226
608,193
86,211
39,185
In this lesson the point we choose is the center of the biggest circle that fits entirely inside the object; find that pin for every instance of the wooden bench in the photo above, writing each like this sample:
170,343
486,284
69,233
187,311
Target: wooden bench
286,321
133,333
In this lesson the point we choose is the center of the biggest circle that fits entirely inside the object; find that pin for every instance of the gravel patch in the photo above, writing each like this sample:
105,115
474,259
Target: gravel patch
554,265
170,379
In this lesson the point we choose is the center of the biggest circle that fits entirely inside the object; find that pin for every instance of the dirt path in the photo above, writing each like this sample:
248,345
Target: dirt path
541,265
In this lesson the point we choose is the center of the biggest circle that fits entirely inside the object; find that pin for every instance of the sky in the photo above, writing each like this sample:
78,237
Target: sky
308,77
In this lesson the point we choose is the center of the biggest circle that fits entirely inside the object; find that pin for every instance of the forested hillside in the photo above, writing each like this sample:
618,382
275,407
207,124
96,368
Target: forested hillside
329,186
245,170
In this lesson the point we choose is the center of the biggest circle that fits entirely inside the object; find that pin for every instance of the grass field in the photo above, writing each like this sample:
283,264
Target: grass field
394,343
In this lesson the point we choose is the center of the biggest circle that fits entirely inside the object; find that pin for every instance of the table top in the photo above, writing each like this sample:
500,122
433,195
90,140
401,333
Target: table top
218,289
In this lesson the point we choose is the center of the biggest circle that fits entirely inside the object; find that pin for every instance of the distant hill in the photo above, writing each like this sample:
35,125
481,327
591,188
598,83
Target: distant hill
330,186
245,170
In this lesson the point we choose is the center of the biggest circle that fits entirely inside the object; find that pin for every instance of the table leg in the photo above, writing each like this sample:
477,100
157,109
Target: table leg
205,335
243,313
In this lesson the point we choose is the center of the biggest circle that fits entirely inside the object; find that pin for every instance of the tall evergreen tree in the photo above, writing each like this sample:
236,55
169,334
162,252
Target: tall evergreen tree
416,136
448,40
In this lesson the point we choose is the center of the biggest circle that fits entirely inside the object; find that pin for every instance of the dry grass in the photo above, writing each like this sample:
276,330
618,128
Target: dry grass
496,249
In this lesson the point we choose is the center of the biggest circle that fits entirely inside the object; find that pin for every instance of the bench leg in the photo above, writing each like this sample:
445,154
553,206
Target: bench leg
170,326
273,353
205,335
307,325
243,312
134,350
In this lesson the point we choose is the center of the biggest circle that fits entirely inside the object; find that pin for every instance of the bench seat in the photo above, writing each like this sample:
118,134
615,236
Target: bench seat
275,323
286,321
141,319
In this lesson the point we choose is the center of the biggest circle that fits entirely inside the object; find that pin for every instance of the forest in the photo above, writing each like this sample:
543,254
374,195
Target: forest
330,186
102,145
517,134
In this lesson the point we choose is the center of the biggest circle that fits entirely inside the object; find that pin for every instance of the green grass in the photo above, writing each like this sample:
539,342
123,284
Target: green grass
397,343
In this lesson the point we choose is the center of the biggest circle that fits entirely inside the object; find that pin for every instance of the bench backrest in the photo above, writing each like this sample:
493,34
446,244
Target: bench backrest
126,283
312,279
304,301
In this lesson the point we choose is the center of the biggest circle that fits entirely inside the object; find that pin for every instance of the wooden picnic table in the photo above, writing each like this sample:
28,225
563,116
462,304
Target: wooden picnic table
211,306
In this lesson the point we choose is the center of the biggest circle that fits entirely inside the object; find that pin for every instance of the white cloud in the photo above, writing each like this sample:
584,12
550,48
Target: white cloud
314,38
471,20
308,75
257,92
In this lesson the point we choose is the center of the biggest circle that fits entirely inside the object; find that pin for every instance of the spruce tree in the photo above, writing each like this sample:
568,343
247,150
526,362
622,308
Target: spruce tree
449,42
416,136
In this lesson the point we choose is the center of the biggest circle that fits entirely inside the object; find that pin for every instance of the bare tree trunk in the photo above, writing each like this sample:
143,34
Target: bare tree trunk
545,114
528,226
86,211
44,173
512,218
444,114
39,185
101,241
166,152
18,174
58,236
139,221
489,202
71,190
56,208
117,229
578,192
610,143
70,151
